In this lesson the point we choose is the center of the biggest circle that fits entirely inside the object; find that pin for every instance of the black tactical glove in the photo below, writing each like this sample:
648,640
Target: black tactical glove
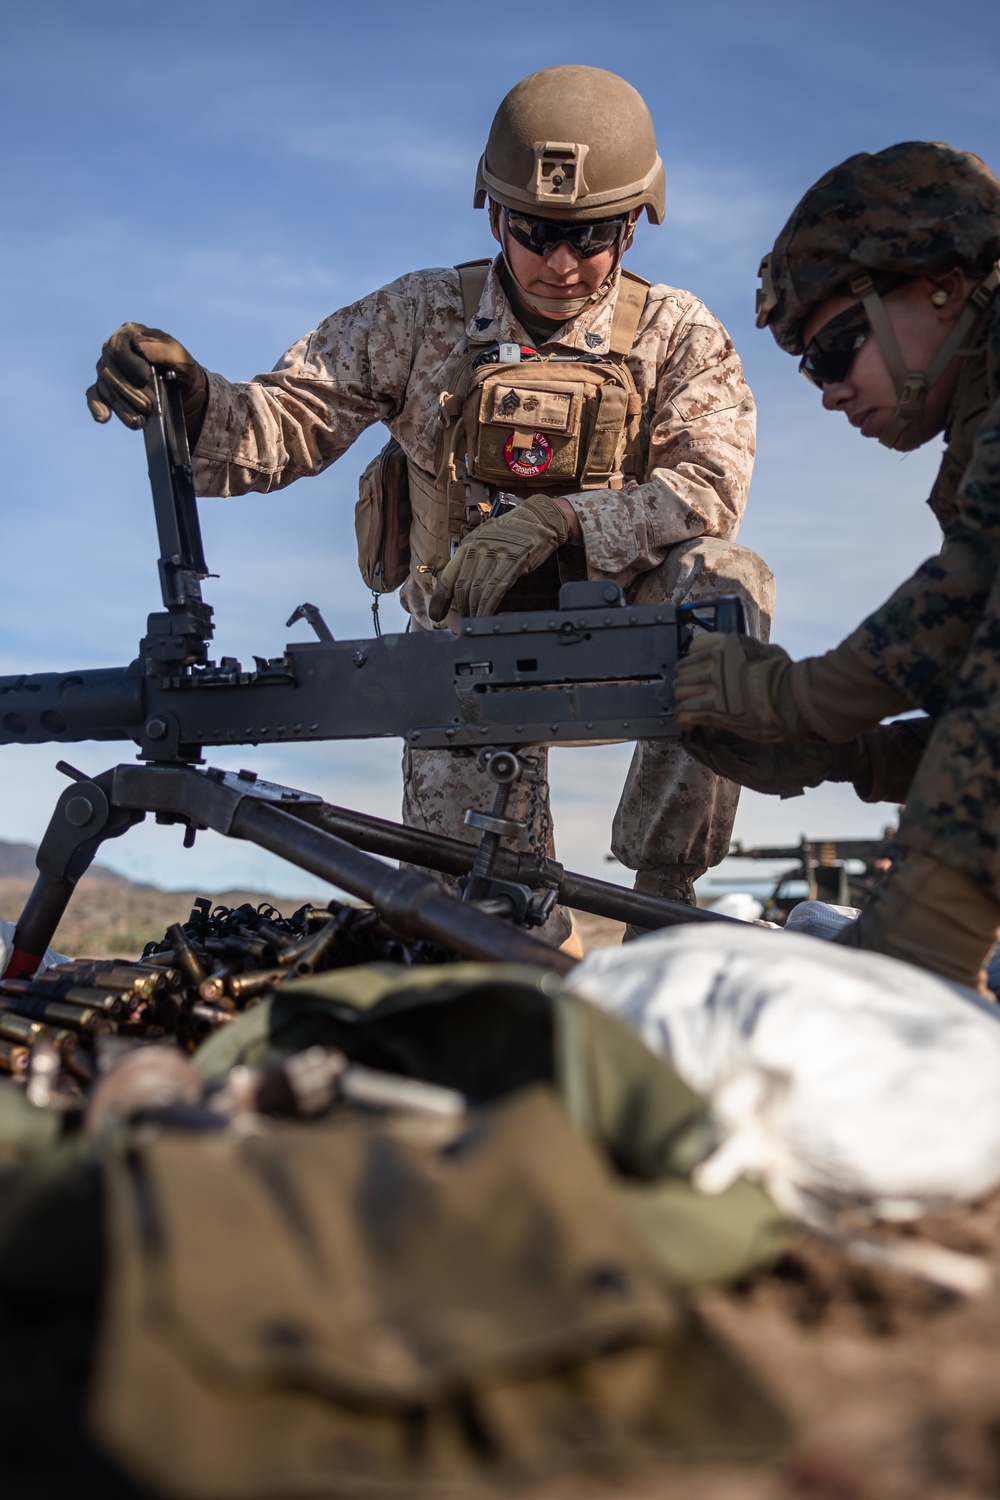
894,752
123,375
496,554
881,763
782,770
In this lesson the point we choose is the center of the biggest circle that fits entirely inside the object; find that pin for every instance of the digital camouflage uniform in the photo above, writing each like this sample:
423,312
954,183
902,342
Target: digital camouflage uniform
914,210
937,639
390,356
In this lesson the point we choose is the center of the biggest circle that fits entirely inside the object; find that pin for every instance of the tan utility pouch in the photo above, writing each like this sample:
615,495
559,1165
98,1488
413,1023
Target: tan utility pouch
382,519
535,423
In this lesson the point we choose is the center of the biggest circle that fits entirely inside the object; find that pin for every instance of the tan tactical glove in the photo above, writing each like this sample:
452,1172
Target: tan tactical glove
931,915
498,553
736,683
123,374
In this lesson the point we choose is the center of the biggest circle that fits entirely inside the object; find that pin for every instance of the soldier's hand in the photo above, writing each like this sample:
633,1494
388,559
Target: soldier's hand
123,376
777,770
496,554
736,683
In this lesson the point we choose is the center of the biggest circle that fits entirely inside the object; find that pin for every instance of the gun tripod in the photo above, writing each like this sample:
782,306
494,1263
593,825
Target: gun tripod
503,890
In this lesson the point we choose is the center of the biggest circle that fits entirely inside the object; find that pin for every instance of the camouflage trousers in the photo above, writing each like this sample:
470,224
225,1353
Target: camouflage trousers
675,817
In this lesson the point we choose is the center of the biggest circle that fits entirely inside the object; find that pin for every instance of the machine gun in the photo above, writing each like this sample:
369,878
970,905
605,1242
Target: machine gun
594,669
822,865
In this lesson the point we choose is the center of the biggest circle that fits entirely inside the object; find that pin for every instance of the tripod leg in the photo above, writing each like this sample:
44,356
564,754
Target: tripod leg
82,820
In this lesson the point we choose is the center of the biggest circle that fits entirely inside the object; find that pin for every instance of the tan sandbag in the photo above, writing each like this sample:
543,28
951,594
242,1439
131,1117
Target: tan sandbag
375,1306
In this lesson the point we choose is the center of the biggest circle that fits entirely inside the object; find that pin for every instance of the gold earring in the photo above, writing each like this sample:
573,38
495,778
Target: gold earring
939,298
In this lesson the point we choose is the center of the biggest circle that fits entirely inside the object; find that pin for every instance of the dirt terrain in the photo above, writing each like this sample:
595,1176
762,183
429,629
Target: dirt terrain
891,1384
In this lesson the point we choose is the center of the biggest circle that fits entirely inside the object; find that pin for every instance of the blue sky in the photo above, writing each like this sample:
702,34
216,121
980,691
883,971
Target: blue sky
234,171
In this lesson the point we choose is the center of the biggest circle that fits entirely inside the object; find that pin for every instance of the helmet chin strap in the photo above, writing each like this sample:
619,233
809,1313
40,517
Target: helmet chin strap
569,306
903,432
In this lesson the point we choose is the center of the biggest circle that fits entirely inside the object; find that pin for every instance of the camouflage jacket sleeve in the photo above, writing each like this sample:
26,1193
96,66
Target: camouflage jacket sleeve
920,635
349,373
701,438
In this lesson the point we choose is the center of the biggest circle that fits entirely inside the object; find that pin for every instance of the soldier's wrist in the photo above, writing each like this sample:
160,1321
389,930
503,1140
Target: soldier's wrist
196,404
575,536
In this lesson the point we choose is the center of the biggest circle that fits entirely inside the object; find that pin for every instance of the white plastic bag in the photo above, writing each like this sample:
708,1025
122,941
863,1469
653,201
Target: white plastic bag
7,943
739,904
820,918
837,1077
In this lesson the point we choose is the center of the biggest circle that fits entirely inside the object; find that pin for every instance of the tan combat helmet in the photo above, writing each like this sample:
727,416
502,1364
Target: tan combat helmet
574,145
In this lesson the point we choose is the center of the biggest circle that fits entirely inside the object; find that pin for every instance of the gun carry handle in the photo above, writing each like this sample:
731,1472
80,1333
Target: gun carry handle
182,556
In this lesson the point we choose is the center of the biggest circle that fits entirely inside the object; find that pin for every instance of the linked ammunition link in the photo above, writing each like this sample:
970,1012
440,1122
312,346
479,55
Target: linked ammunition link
201,975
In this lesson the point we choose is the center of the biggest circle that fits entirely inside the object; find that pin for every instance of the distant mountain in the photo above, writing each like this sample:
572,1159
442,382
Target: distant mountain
17,861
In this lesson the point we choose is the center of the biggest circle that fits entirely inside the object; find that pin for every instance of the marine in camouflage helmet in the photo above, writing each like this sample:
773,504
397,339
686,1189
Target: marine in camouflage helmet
888,253
570,145
912,210
916,209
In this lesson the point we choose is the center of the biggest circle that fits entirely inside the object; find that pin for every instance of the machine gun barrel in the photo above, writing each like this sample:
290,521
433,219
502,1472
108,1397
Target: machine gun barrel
817,850
103,703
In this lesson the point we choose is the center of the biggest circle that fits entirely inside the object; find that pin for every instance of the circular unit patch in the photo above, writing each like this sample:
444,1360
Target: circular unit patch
527,462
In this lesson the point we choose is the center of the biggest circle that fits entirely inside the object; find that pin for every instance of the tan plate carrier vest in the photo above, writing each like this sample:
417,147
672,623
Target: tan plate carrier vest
546,425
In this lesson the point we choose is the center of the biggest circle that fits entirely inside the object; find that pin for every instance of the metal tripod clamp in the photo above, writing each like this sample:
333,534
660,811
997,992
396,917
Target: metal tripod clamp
510,899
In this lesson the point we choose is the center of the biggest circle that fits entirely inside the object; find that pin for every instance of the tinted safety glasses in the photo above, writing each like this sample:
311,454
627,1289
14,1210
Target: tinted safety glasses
832,351
541,236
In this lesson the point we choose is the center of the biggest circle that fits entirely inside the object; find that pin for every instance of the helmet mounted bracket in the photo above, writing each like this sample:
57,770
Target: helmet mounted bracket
558,175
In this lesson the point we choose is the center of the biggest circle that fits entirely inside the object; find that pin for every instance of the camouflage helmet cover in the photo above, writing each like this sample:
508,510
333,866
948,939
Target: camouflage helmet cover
914,209
573,143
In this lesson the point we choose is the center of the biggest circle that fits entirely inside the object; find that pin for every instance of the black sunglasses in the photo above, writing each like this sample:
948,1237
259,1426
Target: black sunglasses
831,352
541,236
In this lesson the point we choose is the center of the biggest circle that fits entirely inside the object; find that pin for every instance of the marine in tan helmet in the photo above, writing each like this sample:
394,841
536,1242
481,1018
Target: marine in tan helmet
885,283
553,417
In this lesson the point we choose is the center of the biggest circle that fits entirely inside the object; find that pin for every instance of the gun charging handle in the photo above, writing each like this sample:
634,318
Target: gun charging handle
724,614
